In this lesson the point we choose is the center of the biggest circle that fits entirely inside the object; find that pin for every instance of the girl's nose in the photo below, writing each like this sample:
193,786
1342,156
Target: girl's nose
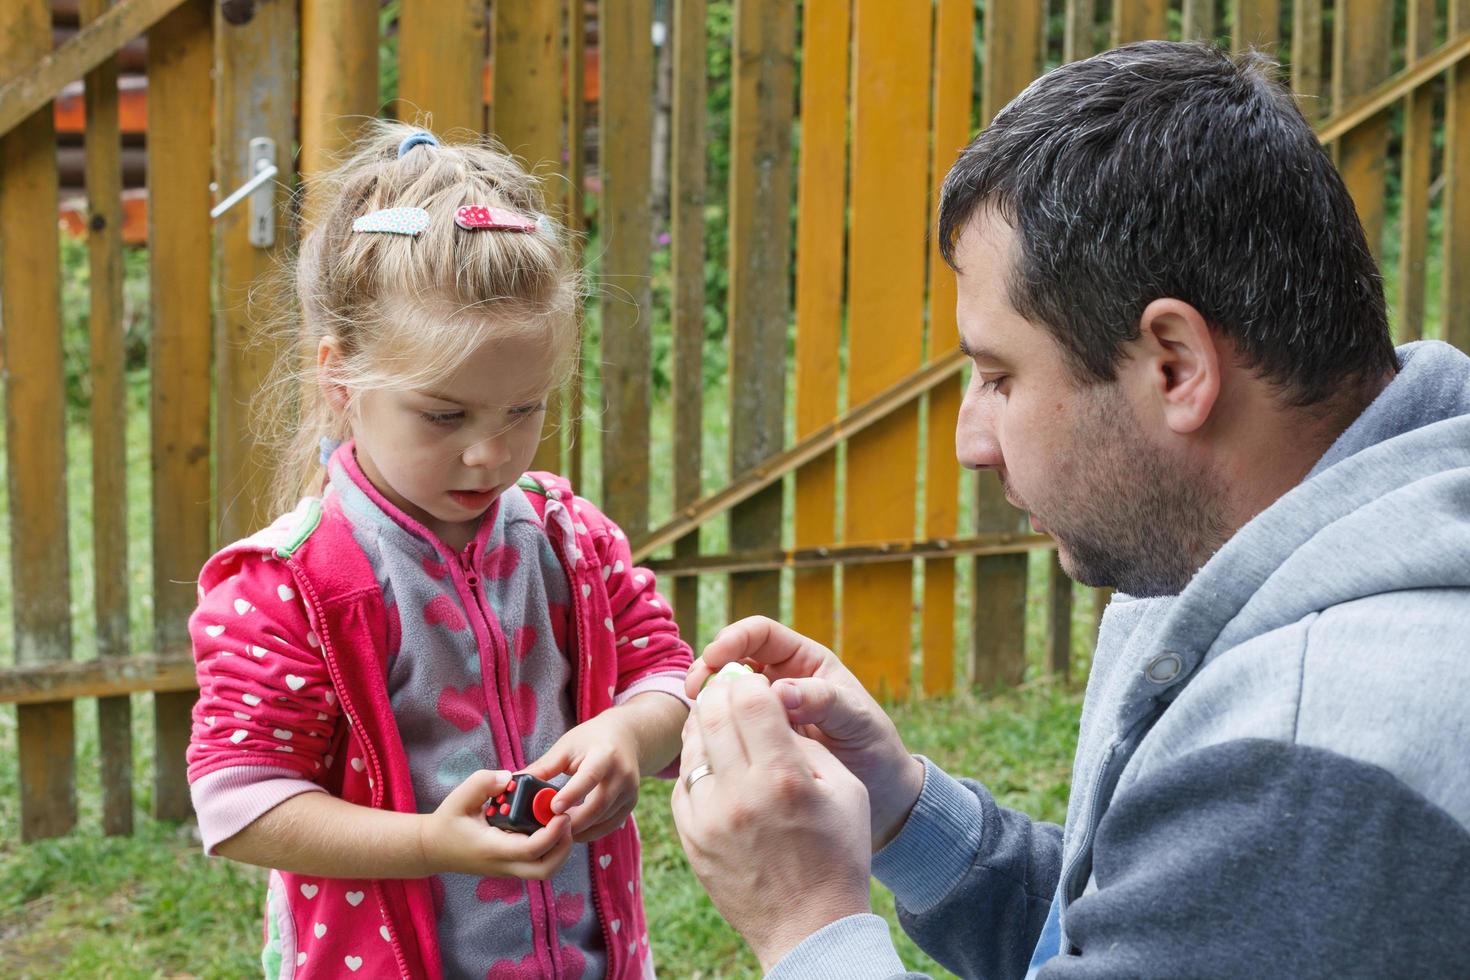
487,453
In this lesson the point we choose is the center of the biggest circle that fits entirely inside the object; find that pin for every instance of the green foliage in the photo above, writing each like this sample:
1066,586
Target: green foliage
76,284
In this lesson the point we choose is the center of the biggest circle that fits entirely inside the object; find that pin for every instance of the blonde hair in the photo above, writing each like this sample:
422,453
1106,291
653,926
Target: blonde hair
471,285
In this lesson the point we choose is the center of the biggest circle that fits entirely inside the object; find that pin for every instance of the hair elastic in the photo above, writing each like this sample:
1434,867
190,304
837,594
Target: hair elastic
421,138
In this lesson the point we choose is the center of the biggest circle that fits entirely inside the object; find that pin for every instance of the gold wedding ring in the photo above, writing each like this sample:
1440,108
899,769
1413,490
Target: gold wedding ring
696,774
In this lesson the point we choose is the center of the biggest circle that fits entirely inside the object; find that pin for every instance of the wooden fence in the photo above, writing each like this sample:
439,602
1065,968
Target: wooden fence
867,483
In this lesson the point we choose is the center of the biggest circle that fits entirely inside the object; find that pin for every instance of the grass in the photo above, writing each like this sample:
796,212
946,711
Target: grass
152,905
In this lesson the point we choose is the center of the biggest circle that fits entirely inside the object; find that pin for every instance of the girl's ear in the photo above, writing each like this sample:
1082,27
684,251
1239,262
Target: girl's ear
328,359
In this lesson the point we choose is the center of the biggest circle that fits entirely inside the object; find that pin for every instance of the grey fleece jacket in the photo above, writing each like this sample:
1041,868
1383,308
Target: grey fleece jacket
1273,769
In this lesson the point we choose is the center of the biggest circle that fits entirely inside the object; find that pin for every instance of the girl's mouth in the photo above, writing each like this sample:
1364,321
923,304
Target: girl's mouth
473,499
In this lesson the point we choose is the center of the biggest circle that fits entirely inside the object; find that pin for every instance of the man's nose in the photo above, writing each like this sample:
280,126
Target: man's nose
975,442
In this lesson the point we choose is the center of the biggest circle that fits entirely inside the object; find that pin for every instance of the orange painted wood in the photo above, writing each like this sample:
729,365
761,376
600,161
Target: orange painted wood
1362,35
134,217
1139,20
109,425
527,119
180,60
762,100
441,64
885,285
953,75
820,218
30,302
625,230
339,84
687,202
1455,308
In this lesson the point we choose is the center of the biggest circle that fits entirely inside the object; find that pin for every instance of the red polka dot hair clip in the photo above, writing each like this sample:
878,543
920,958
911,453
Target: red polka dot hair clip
478,217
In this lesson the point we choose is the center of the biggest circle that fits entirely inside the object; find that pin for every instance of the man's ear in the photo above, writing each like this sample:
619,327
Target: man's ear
1181,356
328,358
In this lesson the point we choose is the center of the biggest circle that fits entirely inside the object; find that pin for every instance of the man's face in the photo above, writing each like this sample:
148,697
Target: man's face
1126,509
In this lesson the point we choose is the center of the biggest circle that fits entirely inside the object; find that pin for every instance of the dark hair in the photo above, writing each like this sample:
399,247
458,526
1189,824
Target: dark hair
1163,169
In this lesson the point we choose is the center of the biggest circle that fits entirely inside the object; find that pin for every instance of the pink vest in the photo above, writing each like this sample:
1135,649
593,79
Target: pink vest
380,927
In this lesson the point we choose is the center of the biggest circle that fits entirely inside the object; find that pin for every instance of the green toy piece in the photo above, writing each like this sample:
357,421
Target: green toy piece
729,670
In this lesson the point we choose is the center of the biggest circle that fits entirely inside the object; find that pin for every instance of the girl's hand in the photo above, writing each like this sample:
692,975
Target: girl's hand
456,837
602,756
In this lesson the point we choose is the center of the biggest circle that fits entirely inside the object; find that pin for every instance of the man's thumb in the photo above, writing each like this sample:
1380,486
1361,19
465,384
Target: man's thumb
817,701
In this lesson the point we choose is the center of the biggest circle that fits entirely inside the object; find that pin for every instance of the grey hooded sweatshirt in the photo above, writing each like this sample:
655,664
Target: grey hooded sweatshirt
1273,769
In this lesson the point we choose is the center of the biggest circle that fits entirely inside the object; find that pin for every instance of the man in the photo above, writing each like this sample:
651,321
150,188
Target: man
1182,371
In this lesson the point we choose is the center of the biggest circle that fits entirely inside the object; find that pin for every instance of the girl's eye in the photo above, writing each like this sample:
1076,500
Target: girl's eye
523,410
441,418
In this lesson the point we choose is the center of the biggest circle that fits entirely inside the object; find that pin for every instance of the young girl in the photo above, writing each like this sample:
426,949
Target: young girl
376,664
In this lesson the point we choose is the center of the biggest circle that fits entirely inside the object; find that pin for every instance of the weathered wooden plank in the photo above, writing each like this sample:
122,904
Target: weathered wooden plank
30,306
339,84
109,424
1455,308
855,420
1139,20
45,73
441,63
1058,619
1079,31
820,219
1197,22
180,58
624,224
954,60
1384,95
255,88
877,553
1306,58
762,98
108,679
885,287
1362,35
576,219
687,189
526,117
1257,24
1415,164
998,651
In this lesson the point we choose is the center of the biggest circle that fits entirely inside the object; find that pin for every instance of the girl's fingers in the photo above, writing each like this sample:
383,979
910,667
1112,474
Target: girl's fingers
587,776
591,809
555,761
470,795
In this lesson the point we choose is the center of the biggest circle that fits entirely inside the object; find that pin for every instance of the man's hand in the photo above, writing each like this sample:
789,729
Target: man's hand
455,837
826,703
778,832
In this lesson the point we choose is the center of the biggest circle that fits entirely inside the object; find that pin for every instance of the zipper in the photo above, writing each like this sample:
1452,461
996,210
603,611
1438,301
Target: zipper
582,688
468,562
329,657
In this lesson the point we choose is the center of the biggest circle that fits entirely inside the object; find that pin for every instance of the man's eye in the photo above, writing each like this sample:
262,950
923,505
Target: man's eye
994,383
441,418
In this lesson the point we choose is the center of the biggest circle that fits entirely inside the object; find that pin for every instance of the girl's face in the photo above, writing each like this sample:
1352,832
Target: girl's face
444,454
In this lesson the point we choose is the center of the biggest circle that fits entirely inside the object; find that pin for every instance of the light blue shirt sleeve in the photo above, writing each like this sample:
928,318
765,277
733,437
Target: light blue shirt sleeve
937,844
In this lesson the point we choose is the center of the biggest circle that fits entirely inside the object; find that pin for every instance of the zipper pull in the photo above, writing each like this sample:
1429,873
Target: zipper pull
467,560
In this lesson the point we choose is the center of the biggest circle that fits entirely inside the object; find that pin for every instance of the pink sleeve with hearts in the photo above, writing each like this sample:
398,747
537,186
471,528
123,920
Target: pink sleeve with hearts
266,712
